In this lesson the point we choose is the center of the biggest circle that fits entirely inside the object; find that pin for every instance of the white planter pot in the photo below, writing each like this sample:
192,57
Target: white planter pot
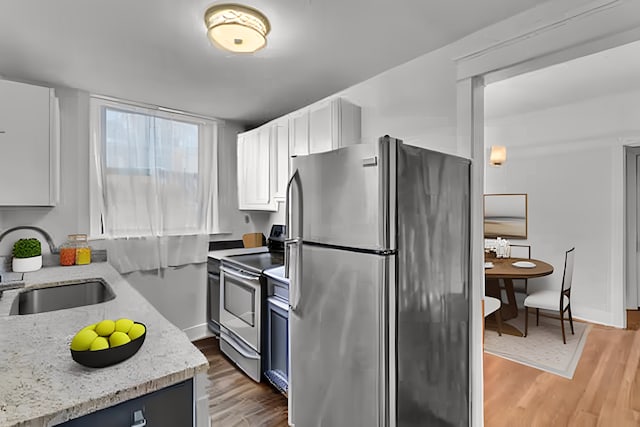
24,265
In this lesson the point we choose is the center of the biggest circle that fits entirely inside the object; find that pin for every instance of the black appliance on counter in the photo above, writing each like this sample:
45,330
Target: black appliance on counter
243,295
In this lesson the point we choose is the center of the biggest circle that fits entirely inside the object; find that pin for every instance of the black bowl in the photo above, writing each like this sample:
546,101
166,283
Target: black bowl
109,356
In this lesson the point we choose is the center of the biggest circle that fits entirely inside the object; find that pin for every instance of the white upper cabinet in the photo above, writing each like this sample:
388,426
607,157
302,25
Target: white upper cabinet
321,128
263,166
280,166
29,143
254,171
264,153
333,124
299,132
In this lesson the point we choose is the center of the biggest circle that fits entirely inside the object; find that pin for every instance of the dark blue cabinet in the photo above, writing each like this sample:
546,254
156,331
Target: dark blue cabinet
277,336
170,407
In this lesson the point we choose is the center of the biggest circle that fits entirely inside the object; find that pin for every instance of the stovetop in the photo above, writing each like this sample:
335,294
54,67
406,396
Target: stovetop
256,262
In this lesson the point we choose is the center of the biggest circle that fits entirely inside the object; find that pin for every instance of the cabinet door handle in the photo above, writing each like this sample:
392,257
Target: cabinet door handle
138,419
3,131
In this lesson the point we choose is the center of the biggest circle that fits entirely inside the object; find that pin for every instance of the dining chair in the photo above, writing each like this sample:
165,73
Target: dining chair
492,305
521,251
548,299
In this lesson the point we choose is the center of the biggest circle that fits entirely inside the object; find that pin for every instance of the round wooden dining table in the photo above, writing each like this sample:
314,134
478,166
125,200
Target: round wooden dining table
504,270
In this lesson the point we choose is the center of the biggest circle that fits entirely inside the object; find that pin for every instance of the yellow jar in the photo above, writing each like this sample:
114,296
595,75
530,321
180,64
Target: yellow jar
83,256
83,250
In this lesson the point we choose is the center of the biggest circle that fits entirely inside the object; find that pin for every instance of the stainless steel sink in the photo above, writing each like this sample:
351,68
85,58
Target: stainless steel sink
68,295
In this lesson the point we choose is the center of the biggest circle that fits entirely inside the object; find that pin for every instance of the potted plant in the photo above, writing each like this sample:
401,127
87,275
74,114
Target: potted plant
27,255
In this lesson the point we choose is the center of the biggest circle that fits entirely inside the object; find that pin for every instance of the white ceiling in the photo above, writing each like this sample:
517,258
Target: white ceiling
605,73
156,51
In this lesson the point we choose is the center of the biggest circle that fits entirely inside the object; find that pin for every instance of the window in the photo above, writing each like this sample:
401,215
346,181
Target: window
154,172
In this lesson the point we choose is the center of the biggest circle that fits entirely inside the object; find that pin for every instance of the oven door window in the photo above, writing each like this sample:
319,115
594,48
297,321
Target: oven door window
240,309
240,300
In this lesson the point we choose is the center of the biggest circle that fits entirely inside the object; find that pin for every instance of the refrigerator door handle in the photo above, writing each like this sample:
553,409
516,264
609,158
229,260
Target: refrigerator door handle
288,243
294,286
295,176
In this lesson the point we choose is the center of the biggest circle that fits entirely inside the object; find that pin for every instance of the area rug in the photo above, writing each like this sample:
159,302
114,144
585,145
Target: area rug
542,348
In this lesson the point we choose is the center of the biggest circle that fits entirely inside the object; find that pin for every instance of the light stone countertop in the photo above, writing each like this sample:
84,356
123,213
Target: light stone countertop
221,253
41,385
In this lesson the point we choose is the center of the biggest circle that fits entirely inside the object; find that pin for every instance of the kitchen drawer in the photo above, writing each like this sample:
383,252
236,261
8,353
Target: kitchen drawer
243,356
276,284
278,289
169,407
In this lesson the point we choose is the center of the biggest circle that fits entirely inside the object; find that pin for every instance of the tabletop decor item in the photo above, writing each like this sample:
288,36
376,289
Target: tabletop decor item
524,264
107,342
27,255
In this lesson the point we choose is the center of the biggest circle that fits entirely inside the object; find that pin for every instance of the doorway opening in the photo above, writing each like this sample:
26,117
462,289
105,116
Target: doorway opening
565,130
632,236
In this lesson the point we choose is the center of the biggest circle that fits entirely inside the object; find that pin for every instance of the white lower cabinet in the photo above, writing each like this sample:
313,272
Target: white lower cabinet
29,158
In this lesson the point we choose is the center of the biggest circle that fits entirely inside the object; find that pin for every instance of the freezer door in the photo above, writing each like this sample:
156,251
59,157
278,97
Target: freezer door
433,289
345,196
338,352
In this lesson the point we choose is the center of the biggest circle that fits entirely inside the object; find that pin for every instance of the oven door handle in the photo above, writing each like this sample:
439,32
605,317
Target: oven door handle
238,347
239,275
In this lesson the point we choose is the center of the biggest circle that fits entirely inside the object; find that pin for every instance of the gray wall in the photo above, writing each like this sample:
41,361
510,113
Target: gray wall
71,215
180,293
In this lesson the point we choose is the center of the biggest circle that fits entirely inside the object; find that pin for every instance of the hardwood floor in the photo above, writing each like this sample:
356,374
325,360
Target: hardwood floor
604,392
633,319
234,399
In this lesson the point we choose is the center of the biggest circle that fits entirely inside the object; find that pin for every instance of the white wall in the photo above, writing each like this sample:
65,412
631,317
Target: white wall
178,293
567,160
415,102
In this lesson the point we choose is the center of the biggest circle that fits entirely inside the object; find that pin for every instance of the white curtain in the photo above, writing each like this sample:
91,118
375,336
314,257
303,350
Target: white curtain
157,176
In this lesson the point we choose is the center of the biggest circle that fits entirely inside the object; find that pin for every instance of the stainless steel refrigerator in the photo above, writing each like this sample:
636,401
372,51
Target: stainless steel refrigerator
378,258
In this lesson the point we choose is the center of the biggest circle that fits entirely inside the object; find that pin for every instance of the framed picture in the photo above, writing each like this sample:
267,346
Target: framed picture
505,215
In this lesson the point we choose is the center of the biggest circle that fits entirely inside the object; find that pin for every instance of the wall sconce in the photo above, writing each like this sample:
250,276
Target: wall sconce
236,28
498,155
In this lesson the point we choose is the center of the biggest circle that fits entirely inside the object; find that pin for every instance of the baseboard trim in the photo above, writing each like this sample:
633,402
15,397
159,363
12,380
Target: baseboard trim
633,320
198,332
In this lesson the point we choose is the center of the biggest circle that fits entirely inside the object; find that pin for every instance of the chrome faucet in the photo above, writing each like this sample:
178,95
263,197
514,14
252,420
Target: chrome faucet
47,236
5,286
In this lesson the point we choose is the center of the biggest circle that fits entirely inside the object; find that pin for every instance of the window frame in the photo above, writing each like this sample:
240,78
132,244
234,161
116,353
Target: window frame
208,133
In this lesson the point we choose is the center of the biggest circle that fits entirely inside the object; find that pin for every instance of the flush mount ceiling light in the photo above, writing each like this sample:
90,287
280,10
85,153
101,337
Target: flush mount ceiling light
498,155
236,28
